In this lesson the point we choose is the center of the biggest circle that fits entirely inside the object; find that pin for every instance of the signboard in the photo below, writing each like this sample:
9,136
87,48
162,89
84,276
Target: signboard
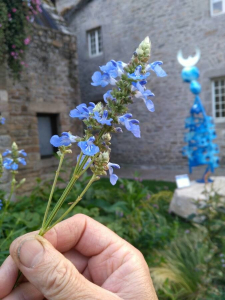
182,181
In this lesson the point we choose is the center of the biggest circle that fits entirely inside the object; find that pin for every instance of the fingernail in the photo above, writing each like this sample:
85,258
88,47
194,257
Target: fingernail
30,252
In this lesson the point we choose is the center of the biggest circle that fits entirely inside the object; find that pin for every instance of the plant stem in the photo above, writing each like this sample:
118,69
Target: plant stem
93,178
53,188
12,187
78,163
60,202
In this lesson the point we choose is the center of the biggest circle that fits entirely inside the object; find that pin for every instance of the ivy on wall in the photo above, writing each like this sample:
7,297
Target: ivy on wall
16,17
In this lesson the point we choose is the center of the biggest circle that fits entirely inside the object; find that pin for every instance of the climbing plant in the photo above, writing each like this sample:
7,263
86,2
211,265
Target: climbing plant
16,17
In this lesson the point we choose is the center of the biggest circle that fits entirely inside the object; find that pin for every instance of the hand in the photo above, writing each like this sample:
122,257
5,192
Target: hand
78,259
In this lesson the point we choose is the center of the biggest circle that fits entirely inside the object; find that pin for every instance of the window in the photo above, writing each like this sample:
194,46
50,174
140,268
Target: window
217,7
95,42
218,92
47,127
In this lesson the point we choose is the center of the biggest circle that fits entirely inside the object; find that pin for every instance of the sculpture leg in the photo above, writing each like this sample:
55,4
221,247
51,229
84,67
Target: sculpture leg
205,178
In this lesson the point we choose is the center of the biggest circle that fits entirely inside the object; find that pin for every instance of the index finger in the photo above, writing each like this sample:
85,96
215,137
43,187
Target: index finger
82,233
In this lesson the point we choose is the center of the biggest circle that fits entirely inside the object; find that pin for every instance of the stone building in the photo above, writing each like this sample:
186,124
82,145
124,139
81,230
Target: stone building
38,106
116,28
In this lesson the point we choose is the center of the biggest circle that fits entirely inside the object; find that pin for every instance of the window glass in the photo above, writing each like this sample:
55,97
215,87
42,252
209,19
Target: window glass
95,42
219,99
46,129
217,7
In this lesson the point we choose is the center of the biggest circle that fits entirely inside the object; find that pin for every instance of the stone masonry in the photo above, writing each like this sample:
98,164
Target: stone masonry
171,25
48,85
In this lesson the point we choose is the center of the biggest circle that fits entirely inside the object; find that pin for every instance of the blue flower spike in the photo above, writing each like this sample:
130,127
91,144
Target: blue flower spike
88,147
113,177
65,140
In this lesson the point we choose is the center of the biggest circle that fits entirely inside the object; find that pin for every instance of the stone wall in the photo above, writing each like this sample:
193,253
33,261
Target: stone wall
48,85
171,25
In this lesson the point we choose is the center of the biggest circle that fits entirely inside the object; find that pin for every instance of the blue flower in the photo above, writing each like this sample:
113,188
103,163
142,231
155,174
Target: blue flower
113,68
137,74
110,68
144,94
65,140
108,95
86,164
155,66
91,107
7,151
2,120
82,111
102,79
103,120
23,152
113,177
22,161
130,124
88,147
1,204
9,164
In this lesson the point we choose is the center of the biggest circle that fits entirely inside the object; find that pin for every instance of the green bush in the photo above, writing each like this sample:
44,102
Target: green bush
186,257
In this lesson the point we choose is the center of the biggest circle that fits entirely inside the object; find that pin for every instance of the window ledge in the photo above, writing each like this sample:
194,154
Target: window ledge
216,15
219,120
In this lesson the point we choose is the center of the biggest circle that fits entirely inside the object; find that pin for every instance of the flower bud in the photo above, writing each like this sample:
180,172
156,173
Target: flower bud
98,108
14,146
106,137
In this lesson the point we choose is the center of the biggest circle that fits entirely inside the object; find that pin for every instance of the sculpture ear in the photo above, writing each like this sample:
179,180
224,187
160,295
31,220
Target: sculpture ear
190,61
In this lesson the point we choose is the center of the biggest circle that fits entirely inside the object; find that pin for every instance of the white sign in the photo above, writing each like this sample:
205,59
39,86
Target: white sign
182,181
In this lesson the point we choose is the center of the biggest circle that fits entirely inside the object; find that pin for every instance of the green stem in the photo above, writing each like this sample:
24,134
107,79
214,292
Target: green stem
60,202
93,178
53,188
12,187
78,163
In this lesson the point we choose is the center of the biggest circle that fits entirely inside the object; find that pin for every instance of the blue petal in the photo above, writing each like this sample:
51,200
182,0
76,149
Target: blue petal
113,179
23,152
88,149
150,105
6,152
22,161
14,166
159,71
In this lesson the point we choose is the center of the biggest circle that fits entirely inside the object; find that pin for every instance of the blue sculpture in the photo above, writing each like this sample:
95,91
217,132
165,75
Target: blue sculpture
200,149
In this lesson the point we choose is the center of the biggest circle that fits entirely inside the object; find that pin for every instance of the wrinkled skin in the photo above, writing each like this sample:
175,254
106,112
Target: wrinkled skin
78,259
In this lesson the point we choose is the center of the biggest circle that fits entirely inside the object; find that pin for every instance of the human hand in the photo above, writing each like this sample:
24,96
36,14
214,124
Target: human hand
77,259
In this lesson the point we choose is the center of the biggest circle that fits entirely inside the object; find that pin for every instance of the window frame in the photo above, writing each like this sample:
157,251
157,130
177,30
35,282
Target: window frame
96,31
216,119
54,118
211,8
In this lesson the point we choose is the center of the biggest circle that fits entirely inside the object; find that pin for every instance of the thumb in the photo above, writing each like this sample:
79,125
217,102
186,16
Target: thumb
51,273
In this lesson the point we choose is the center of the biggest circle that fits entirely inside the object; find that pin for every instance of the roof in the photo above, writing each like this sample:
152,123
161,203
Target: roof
69,13
51,19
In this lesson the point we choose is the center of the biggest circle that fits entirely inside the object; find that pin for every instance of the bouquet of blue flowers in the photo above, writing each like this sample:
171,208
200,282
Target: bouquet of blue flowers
101,121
